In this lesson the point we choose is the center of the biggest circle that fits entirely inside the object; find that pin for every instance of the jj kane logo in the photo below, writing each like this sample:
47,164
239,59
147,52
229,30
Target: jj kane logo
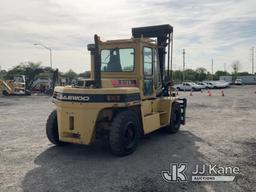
177,172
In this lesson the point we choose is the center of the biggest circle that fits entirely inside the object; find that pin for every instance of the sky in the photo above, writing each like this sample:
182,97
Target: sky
222,30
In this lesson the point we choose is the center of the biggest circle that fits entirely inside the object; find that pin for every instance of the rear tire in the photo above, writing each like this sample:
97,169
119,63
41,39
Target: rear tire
124,133
52,129
175,120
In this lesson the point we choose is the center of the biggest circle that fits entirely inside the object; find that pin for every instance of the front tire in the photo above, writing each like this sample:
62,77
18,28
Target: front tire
27,92
175,120
52,129
124,133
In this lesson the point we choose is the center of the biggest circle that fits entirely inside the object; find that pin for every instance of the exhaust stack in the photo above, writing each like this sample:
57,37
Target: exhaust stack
97,63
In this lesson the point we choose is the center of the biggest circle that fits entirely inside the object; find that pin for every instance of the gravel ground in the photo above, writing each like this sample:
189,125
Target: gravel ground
219,130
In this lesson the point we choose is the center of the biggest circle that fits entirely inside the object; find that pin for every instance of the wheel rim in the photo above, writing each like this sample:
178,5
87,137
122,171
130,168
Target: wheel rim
129,135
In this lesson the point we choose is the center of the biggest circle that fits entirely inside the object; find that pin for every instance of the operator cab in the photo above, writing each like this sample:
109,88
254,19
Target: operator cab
136,62
19,81
125,65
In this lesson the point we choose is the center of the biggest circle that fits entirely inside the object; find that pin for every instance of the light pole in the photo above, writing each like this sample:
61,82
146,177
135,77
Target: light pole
183,53
48,48
212,69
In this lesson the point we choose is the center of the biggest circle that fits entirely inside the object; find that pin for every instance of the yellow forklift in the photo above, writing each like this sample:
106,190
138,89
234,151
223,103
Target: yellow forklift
129,93
17,86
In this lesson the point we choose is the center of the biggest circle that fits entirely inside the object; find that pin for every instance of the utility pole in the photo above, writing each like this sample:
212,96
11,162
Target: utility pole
253,60
50,56
183,53
225,67
212,66
212,69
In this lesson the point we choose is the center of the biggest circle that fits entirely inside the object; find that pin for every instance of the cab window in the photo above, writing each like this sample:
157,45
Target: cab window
157,75
148,61
148,70
117,60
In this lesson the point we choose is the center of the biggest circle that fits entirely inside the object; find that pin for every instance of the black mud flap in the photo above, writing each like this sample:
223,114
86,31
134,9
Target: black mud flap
183,106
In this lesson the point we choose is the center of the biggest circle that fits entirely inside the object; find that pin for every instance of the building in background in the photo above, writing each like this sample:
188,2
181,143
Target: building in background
247,80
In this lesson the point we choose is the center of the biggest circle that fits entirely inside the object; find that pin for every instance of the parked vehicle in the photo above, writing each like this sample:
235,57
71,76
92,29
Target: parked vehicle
225,83
238,82
188,86
219,84
209,85
202,85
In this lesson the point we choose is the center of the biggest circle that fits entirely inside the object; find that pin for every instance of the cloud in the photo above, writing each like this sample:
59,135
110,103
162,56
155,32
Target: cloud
223,30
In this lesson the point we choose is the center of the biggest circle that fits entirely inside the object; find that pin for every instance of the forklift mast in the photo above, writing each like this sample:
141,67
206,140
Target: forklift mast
164,36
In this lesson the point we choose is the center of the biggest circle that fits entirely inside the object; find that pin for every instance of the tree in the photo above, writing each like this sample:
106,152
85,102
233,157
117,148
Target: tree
201,74
190,75
177,75
31,65
221,73
28,69
2,73
70,75
86,74
245,73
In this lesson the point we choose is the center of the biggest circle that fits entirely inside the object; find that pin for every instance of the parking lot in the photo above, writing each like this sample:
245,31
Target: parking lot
219,130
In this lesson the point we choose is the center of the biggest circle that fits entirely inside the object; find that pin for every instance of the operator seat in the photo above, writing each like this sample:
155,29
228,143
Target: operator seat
114,64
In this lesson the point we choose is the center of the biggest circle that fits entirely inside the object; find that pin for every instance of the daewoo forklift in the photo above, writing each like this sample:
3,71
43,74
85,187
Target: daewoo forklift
128,95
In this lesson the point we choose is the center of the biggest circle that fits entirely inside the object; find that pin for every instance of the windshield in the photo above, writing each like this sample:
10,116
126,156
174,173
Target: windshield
19,79
117,60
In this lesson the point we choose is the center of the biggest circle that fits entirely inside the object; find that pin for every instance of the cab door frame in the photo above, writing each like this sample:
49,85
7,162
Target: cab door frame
148,76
